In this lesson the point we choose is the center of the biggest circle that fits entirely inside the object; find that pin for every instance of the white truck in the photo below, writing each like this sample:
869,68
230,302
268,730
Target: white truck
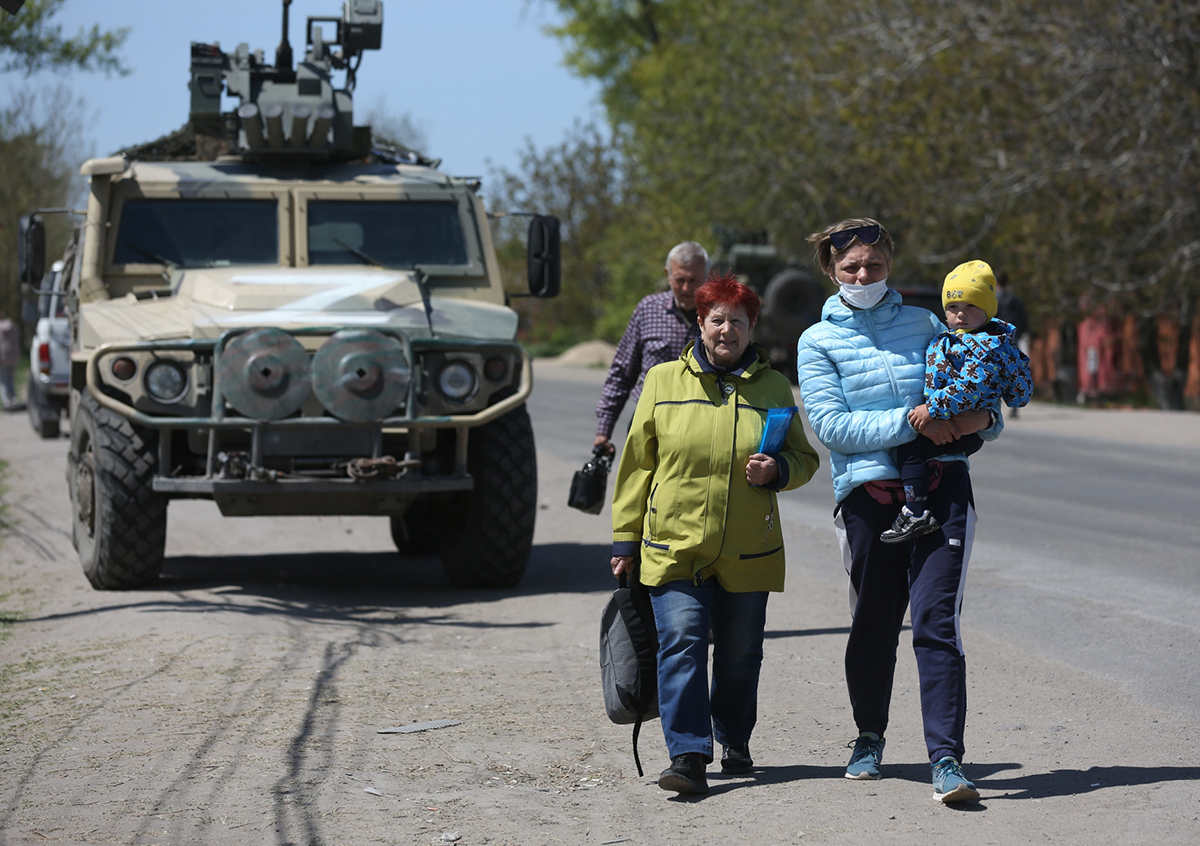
47,391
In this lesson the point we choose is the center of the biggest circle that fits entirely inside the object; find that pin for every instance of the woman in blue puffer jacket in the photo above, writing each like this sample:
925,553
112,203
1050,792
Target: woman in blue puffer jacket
861,370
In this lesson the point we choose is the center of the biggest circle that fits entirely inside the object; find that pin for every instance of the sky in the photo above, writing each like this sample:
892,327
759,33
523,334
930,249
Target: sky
478,77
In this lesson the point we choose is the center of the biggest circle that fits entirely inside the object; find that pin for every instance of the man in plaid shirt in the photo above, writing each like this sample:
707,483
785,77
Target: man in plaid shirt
661,326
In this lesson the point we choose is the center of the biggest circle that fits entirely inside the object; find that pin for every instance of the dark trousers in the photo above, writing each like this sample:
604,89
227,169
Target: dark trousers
929,573
912,459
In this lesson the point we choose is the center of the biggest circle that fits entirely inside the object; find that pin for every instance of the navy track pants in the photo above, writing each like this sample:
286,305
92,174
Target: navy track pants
928,573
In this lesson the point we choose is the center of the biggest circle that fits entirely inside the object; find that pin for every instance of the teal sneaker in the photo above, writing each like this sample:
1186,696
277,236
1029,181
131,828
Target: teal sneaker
866,757
949,783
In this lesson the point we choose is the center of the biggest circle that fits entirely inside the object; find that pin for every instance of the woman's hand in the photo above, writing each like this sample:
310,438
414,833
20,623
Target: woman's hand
970,422
622,564
941,432
761,469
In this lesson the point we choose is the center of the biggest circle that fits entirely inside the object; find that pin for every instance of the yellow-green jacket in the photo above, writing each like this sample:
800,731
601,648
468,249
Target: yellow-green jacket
682,501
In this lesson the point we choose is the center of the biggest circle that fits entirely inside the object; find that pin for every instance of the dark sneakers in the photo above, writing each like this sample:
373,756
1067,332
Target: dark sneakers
736,759
909,525
866,757
686,774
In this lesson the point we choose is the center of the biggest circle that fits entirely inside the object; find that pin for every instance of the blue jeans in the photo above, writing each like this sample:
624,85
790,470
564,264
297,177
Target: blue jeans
690,714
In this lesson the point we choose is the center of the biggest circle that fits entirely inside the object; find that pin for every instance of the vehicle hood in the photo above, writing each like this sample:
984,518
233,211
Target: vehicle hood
208,302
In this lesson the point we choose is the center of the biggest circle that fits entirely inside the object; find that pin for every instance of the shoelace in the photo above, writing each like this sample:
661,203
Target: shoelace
864,746
942,769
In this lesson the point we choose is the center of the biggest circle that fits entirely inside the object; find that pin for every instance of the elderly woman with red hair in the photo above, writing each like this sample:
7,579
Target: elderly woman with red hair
695,516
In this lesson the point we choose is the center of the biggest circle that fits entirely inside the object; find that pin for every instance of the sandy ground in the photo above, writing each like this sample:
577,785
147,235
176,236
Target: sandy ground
240,701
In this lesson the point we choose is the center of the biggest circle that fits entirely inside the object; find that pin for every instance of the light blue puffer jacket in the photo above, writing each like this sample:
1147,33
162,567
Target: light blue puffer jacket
861,372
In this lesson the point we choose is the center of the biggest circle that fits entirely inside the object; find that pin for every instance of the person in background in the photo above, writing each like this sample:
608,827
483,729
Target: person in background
695,501
1011,309
862,371
10,356
661,326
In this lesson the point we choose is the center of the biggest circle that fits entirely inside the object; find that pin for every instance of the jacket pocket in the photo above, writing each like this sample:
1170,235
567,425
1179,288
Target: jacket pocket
749,555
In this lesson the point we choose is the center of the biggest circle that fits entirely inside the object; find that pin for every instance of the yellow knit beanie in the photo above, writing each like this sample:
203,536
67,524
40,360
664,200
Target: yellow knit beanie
974,283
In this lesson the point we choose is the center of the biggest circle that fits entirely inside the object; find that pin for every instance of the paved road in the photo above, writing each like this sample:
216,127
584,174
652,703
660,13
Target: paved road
1087,544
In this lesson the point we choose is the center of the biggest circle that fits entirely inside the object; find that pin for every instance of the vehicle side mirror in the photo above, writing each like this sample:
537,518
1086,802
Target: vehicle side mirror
31,250
545,256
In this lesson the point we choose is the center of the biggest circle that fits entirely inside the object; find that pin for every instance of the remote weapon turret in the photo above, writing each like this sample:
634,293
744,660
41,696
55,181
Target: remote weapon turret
290,112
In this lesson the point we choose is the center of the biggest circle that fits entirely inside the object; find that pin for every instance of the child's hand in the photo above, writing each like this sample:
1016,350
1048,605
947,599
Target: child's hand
919,416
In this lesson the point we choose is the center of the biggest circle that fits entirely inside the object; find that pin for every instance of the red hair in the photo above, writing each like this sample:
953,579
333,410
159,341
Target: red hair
727,291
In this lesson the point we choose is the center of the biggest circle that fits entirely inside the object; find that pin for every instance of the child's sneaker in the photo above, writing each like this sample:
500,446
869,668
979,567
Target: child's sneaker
909,525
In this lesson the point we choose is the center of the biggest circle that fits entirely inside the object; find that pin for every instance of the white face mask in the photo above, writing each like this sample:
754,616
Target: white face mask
863,296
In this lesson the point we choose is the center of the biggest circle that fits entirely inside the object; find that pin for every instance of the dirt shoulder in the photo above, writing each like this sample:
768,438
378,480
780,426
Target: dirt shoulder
239,702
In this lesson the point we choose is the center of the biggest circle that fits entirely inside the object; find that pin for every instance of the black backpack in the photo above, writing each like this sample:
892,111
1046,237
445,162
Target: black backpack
629,659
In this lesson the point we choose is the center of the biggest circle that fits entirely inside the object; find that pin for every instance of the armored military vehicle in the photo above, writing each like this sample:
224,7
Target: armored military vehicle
303,325
791,294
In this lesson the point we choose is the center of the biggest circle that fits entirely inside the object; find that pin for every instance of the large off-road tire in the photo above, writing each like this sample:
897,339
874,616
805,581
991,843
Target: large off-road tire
119,523
43,414
416,531
490,532
792,301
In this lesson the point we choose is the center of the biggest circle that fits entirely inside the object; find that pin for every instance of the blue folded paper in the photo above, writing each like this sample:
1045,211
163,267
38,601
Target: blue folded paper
779,420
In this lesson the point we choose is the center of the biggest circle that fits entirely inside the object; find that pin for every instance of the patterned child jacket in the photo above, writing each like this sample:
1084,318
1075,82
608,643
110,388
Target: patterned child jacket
976,370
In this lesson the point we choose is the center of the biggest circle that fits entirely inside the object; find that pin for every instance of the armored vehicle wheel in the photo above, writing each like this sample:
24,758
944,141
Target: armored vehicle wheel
493,523
43,414
792,301
119,523
416,531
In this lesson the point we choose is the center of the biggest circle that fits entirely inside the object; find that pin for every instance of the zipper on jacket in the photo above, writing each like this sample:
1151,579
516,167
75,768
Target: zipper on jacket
887,365
728,397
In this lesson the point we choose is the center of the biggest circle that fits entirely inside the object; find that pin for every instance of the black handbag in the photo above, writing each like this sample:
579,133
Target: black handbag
590,484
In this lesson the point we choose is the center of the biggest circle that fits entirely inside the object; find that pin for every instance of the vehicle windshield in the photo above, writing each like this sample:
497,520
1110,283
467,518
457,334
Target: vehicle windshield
391,234
198,233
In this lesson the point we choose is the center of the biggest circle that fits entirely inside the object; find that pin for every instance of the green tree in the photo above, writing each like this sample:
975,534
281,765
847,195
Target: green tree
30,41
41,143
1056,139
580,182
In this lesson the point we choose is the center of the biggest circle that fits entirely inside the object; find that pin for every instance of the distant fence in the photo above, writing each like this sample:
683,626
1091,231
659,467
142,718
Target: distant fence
1105,364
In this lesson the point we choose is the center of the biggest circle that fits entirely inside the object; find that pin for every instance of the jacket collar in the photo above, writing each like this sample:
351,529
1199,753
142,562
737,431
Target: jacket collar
755,359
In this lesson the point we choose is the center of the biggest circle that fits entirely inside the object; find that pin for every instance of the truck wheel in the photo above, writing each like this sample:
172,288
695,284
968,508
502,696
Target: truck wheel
43,414
493,523
119,523
416,531
792,301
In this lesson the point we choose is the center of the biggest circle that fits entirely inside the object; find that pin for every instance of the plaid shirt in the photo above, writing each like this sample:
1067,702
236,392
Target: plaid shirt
657,332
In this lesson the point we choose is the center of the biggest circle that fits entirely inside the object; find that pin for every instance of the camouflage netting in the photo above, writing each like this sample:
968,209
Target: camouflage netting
183,145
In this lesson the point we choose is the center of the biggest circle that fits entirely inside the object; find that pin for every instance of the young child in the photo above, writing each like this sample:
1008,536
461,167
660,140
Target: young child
972,366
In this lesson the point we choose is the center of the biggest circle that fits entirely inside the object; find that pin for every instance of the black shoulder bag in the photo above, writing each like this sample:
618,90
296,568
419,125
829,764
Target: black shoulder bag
590,484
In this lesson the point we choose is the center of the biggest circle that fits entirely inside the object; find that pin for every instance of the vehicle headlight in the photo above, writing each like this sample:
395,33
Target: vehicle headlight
166,381
458,381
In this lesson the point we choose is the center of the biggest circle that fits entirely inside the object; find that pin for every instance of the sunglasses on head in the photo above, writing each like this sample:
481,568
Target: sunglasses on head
868,235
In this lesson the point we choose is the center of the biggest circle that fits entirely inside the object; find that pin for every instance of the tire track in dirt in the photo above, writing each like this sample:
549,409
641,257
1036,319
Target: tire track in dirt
309,765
